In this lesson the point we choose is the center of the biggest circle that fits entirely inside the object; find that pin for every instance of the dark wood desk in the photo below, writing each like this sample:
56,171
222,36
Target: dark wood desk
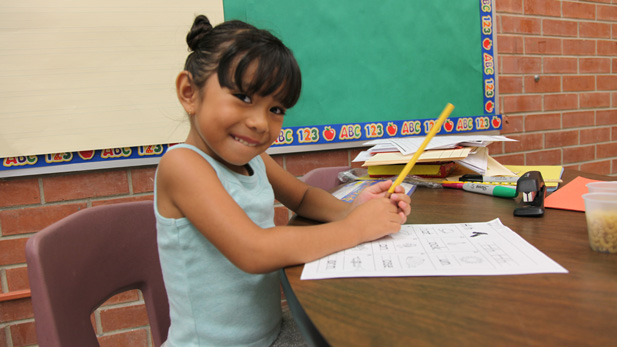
574,309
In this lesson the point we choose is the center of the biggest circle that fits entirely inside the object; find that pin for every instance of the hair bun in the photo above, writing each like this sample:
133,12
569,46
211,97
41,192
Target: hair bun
201,27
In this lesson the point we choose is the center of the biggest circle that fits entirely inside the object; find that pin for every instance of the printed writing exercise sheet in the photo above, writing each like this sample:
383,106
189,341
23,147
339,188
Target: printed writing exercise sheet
463,249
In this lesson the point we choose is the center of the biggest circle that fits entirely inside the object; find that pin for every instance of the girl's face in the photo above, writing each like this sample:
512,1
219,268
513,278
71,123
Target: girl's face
233,127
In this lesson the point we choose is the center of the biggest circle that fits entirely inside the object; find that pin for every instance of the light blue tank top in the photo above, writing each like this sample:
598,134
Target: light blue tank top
212,302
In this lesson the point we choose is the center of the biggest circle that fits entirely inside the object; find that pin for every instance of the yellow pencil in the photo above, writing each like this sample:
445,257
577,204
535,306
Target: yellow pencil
438,123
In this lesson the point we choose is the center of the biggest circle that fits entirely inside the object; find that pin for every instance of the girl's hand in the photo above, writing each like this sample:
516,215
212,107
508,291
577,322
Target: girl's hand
379,190
374,219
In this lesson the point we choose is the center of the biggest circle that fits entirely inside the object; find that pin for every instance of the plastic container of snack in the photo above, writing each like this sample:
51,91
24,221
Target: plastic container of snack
601,215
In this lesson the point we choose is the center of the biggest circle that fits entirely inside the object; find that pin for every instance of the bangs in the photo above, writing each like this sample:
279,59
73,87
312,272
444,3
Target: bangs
263,69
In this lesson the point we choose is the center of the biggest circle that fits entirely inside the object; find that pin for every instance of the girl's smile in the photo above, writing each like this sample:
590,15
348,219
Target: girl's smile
247,142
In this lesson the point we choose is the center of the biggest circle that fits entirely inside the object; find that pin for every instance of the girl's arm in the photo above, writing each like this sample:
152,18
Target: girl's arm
306,201
319,205
187,186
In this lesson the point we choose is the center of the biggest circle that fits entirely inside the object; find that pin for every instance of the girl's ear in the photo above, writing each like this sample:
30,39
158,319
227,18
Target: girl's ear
188,95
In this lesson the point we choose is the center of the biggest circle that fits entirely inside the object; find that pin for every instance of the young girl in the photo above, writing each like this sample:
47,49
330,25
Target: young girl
214,195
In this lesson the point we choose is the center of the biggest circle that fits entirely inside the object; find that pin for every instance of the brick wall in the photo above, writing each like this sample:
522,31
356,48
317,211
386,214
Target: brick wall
568,114
567,117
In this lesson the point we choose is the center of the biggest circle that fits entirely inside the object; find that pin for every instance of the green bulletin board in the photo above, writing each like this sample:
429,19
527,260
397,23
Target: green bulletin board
368,64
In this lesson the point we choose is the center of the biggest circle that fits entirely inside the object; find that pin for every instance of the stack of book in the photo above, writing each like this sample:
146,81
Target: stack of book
442,156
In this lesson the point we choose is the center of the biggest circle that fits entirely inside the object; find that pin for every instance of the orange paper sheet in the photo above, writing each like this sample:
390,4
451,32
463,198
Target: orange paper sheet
570,196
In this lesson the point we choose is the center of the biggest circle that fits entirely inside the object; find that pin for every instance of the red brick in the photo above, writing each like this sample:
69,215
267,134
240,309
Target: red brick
3,336
512,124
124,297
550,157
599,167
578,119
606,117
300,163
15,310
614,61
281,215
594,30
560,102
15,192
520,65
520,25
607,48
572,167
495,148
509,6
17,278
137,337
579,83
545,84
522,103
559,27
595,100
561,138
23,334
510,85
535,122
542,45
87,185
29,220
606,150
579,47
129,198
607,12
595,65
578,10
510,44
123,317
614,165
542,7
12,251
559,65
614,133
578,154
595,135
526,142
607,82
143,179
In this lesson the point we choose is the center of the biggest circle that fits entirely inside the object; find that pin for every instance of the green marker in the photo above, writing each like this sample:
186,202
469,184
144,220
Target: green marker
491,189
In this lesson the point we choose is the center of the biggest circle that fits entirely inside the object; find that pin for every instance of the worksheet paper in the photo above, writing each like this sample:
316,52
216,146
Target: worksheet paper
463,249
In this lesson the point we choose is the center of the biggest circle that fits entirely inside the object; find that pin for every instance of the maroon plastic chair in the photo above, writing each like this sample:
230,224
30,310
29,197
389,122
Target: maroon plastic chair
79,262
325,178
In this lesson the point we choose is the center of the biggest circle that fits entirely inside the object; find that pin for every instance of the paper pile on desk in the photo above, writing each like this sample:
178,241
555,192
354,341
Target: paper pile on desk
469,151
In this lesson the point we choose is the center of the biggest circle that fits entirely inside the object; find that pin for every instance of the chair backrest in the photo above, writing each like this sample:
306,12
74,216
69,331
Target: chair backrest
324,177
79,262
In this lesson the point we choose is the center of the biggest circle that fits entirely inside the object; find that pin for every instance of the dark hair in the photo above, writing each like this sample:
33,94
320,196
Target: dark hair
230,48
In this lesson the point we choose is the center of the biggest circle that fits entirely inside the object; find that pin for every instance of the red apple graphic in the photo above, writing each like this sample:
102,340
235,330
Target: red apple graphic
86,155
487,43
391,129
329,133
489,106
448,125
496,122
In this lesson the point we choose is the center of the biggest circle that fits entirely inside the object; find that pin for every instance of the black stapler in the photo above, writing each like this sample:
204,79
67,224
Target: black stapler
531,185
